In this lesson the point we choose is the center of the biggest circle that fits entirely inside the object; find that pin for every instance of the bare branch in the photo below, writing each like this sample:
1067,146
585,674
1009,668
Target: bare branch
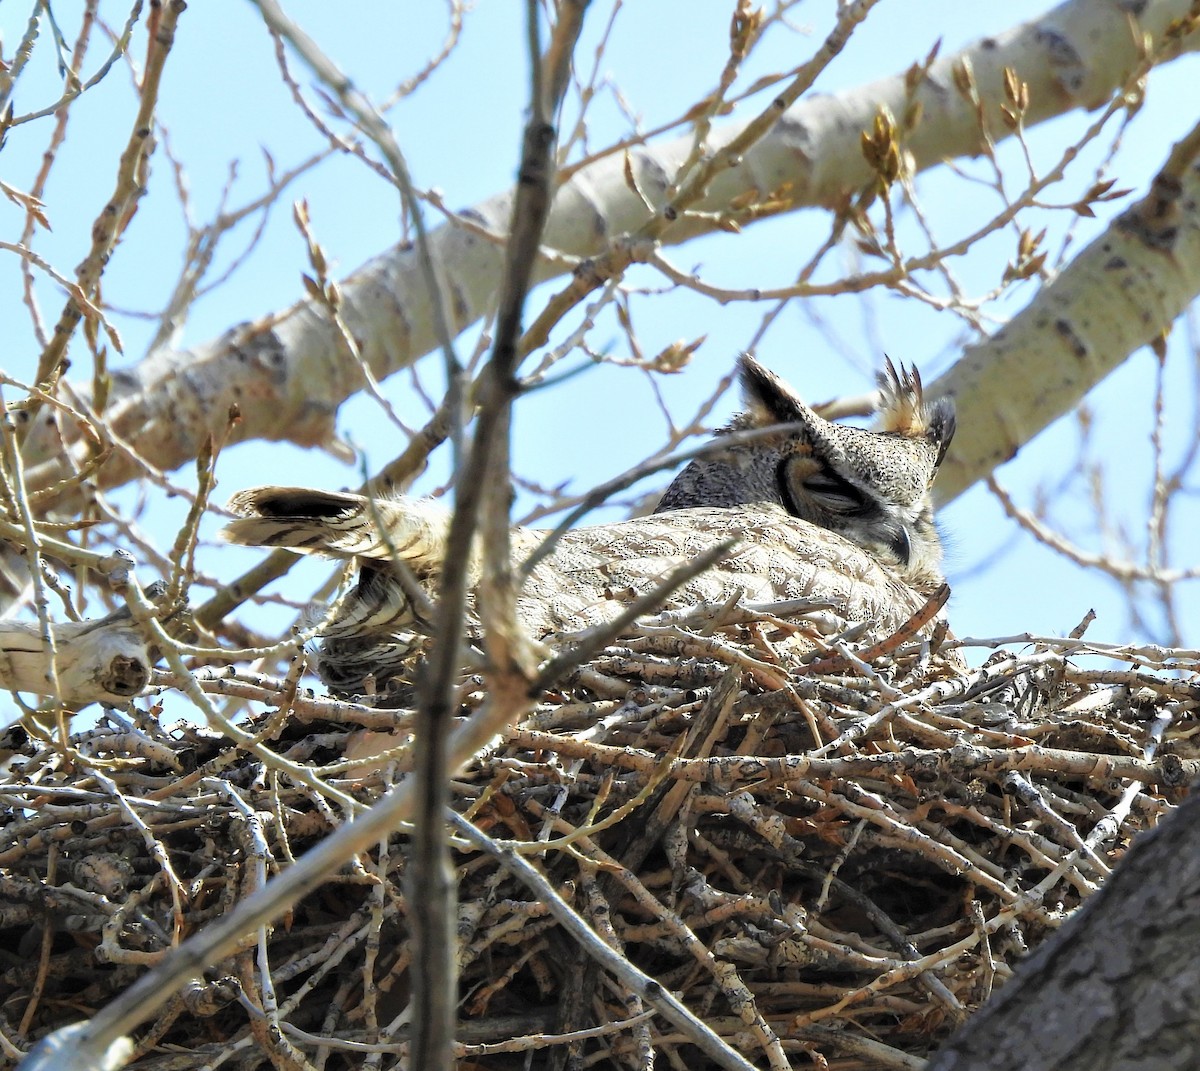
1073,57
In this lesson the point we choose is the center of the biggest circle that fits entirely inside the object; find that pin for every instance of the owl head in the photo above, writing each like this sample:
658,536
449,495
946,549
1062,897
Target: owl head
870,486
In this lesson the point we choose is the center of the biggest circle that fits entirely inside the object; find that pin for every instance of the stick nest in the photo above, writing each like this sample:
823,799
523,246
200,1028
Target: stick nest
829,863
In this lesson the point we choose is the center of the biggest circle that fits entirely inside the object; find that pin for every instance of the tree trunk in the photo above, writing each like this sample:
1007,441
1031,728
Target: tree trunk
1114,989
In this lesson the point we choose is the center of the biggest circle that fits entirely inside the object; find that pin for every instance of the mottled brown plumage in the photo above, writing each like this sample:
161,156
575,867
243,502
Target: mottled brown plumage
871,487
823,511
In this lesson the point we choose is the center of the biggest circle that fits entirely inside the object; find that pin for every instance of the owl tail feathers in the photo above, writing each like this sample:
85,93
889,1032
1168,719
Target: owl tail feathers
340,525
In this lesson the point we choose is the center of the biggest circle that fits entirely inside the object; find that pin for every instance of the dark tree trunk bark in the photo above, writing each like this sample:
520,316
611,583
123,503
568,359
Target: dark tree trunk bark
1116,988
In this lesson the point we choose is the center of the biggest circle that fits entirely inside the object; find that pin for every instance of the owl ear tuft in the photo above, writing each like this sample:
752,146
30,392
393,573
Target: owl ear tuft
942,425
766,396
901,401
904,411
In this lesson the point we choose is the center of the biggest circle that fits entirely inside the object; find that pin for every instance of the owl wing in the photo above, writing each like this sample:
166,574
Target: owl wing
595,572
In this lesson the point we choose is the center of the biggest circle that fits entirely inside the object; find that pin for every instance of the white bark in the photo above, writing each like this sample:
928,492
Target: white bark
1122,292
288,374
95,661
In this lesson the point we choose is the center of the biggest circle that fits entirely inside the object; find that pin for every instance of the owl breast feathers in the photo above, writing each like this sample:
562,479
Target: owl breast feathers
817,510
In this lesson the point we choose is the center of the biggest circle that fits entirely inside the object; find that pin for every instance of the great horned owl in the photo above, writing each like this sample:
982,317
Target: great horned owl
818,511
871,487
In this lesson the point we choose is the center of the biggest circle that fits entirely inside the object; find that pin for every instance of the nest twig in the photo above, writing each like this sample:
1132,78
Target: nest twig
812,854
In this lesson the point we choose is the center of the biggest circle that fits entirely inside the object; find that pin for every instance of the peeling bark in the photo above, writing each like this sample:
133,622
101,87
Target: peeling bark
102,661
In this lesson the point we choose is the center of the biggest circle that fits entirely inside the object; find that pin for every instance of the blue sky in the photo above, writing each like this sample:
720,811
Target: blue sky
223,102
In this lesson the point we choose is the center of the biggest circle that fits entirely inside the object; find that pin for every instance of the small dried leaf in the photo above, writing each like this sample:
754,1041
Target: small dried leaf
27,202
763,82
312,287
630,180
1027,269
918,72
1103,191
744,27
1012,85
675,357
745,199
1030,242
964,78
701,107
773,207
114,337
880,148
90,323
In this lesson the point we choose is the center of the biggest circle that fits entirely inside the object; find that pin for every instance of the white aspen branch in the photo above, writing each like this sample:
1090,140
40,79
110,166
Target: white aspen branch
1121,293
94,661
288,372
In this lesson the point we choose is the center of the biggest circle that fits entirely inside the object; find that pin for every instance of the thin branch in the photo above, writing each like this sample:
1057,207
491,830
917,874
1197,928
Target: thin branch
694,1029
